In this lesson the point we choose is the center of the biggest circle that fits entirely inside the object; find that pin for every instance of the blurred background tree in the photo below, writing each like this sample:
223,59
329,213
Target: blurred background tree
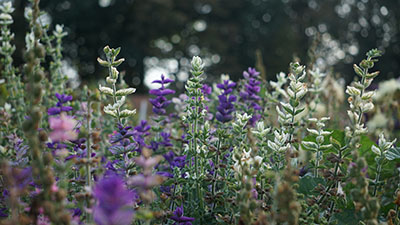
160,36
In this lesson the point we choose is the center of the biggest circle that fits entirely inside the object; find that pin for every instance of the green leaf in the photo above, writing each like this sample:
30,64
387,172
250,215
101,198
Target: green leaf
347,217
393,153
299,110
335,143
307,185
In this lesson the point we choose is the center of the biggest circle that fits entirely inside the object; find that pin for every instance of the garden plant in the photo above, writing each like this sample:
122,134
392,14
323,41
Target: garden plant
303,149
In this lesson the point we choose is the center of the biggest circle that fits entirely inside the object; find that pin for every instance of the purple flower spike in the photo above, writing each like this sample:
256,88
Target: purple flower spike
250,93
121,143
225,107
62,99
113,200
180,219
160,102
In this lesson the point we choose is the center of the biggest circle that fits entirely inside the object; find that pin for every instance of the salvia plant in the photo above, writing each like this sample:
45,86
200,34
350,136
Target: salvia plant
248,151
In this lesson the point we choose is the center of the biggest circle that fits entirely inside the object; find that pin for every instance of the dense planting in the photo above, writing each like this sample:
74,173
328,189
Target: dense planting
251,151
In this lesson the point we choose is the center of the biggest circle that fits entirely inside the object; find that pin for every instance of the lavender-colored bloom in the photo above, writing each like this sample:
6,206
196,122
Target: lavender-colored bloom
250,93
154,145
140,132
56,145
206,90
22,177
165,174
225,107
21,158
76,214
113,201
111,168
62,99
166,142
160,103
179,218
3,212
121,141
175,161
303,171
80,149
212,167
166,171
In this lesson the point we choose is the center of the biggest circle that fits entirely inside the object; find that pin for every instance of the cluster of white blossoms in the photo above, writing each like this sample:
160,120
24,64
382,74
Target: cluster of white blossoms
360,100
119,96
383,146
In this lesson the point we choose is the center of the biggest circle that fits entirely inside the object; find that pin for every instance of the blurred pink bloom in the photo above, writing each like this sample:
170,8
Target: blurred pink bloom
63,128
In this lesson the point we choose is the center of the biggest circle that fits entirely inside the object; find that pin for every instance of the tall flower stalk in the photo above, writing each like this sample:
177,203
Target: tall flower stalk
360,100
193,88
57,76
318,145
118,96
250,94
7,49
41,162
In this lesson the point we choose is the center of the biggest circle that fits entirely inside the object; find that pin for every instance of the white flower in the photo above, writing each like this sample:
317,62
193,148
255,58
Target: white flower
386,88
126,91
376,150
127,113
353,91
106,90
197,63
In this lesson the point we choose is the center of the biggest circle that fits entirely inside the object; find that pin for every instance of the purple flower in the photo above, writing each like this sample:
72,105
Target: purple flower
111,168
175,161
250,92
3,212
21,158
62,99
166,142
225,107
160,103
113,201
167,170
179,218
121,143
206,90
139,134
22,177
212,167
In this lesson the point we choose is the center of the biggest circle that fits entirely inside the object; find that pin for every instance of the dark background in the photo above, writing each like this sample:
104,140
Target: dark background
226,33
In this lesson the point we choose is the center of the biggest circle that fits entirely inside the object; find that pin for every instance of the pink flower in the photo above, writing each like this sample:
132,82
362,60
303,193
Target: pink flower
54,187
63,128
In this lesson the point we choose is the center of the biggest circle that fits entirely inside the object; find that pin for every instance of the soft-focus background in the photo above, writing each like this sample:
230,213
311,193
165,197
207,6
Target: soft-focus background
160,36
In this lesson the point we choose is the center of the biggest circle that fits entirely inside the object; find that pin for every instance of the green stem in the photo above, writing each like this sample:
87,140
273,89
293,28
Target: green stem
378,174
88,154
334,184
216,170
115,100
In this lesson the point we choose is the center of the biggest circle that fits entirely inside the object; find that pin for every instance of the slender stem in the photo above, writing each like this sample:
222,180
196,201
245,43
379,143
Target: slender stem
88,154
318,159
378,174
216,170
171,205
115,101
328,188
